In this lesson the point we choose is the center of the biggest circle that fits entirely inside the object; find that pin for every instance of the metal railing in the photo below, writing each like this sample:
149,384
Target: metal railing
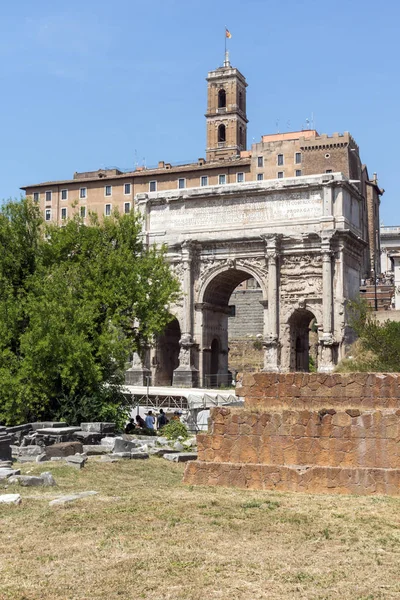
219,380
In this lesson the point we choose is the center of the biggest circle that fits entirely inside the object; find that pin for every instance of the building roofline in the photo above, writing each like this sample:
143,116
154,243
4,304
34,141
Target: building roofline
142,172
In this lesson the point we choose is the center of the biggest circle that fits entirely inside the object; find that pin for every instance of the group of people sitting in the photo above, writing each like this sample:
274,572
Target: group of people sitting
150,423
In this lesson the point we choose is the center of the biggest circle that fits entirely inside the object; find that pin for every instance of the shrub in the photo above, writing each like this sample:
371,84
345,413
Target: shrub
174,429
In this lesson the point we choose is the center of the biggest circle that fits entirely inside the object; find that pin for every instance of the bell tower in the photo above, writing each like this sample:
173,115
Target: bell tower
226,112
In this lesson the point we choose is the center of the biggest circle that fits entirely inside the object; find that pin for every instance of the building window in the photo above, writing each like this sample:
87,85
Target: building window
36,196
64,194
240,177
107,210
203,180
181,183
221,179
82,193
280,175
297,158
127,207
127,189
280,159
260,176
63,213
260,161
48,196
153,186
221,99
298,173
221,134
241,101
83,212
108,190
328,171
241,137
48,214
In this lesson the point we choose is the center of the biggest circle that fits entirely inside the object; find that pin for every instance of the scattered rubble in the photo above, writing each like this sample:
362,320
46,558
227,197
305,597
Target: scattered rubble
55,441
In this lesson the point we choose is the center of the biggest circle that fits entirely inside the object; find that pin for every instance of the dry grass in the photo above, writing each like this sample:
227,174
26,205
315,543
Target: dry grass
147,536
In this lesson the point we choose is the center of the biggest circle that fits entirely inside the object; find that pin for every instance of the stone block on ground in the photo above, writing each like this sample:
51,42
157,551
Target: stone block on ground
29,451
71,498
6,473
42,457
87,437
26,480
122,445
48,479
5,464
181,456
178,446
44,479
107,458
109,442
139,455
5,447
98,427
64,449
48,424
162,451
58,430
10,499
190,443
95,450
120,455
77,461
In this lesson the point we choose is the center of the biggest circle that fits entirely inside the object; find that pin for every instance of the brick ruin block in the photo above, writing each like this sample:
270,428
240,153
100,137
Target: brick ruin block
306,432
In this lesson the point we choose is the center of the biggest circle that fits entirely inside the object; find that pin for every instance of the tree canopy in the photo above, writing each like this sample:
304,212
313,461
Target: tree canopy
378,346
75,301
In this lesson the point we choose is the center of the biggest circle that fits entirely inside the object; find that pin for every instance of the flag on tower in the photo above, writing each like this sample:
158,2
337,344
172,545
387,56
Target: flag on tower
228,33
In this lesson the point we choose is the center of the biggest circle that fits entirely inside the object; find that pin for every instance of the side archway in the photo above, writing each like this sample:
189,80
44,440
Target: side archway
303,340
167,353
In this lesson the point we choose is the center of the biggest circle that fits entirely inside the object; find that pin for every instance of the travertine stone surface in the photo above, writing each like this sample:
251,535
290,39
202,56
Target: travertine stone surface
306,432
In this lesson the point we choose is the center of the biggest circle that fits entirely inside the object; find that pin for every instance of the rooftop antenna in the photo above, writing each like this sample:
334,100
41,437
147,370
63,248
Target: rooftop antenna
288,125
308,124
277,126
312,121
136,160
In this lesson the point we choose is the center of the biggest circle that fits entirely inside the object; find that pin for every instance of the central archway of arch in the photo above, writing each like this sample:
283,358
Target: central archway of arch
218,317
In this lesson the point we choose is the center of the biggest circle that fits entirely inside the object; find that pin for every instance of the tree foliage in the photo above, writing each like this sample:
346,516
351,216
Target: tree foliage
378,346
75,301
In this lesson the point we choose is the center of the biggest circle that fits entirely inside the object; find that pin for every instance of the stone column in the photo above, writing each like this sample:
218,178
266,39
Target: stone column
326,340
186,374
271,316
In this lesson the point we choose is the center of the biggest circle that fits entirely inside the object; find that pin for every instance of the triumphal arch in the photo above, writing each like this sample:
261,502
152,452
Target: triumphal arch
299,238
296,215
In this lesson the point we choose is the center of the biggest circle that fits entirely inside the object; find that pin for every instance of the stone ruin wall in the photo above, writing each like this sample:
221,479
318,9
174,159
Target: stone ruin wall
306,432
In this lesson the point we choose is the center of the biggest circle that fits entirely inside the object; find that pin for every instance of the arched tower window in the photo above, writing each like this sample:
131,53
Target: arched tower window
241,137
221,99
241,101
221,133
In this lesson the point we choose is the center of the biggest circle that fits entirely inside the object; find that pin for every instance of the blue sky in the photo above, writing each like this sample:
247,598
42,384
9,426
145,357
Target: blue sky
96,84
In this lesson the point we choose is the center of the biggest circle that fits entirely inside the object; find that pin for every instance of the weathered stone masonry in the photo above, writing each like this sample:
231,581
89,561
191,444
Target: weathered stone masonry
306,432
